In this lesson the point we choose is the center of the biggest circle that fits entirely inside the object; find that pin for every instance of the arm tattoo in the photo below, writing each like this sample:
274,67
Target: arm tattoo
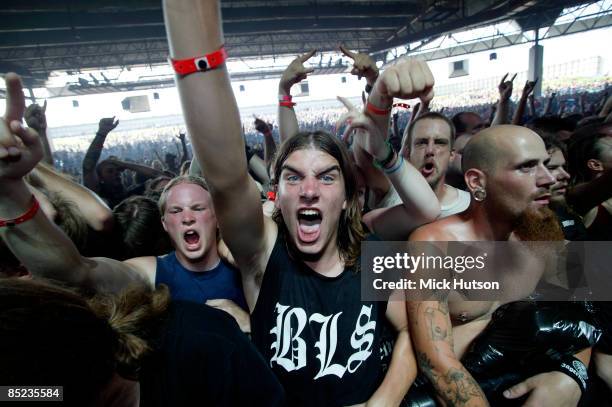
457,387
437,322
453,383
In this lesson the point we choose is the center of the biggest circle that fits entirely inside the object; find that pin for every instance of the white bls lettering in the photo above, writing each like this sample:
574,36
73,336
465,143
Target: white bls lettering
362,339
328,337
290,350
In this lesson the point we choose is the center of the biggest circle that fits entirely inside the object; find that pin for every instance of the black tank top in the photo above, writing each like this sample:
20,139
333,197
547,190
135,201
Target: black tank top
323,343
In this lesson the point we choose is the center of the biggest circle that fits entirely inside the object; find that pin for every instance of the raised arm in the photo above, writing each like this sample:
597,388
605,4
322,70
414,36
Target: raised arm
40,245
269,143
90,177
211,115
549,104
185,156
376,181
35,117
532,107
144,170
94,210
294,73
419,203
520,108
503,105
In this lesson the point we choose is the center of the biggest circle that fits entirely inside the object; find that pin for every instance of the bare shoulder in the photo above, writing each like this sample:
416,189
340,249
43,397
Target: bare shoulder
441,230
145,266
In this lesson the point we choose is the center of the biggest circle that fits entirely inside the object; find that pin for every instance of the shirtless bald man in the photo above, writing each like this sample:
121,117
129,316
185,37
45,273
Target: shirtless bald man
505,171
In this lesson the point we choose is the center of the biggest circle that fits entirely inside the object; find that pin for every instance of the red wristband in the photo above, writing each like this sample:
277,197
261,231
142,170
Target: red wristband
373,109
23,218
271,195
286,104
285,98
201,63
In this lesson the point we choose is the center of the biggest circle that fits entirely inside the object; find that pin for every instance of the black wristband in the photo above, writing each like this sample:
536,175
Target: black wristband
575,369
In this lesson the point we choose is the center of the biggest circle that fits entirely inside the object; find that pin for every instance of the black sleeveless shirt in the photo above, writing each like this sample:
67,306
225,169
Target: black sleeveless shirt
323,343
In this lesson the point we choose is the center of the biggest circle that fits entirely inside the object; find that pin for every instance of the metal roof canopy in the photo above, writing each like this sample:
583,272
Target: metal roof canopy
41,36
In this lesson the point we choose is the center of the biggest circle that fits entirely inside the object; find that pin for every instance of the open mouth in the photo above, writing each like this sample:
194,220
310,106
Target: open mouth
191,237
427,169
309,225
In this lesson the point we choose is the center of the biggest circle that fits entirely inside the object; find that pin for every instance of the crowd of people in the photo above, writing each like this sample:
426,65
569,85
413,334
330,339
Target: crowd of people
148,145
223,265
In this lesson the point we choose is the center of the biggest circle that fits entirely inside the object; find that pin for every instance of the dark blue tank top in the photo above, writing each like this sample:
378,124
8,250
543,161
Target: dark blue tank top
222,282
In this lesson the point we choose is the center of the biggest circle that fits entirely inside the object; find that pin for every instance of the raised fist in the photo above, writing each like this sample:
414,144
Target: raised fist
407,80
107,124
35,116
262,126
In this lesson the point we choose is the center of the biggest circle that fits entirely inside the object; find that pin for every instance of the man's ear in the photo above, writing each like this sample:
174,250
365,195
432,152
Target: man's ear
452,155
475,179
163,222
595,165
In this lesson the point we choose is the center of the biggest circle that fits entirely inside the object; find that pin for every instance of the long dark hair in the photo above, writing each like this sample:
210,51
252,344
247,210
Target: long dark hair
350,231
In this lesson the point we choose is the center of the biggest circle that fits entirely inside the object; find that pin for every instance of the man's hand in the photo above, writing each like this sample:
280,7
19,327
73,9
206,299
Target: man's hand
528,88
367,134
263,127
408,80
20,147
505,88
241,316
107,125
547,389
363,65
181,136
295,72
35,116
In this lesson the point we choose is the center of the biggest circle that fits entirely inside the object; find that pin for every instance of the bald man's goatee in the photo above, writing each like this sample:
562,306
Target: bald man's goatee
539,225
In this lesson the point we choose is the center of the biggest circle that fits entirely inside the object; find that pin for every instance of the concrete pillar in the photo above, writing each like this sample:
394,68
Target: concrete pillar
536,64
